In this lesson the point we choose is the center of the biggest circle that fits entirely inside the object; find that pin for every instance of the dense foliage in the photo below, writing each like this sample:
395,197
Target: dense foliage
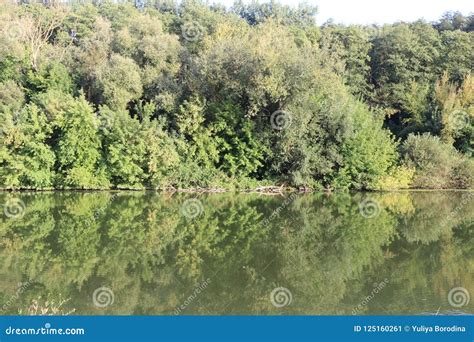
189,95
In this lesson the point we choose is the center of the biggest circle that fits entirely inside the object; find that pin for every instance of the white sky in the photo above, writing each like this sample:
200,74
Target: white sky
379,11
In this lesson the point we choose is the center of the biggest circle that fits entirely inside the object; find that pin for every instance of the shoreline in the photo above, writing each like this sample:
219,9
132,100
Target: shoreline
272,191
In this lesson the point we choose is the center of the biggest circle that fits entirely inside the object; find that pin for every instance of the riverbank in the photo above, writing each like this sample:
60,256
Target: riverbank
228,109
262,190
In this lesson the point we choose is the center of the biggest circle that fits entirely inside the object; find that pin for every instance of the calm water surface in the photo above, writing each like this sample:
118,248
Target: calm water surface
142,253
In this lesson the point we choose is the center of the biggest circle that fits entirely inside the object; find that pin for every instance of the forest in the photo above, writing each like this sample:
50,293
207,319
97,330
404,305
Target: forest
185,95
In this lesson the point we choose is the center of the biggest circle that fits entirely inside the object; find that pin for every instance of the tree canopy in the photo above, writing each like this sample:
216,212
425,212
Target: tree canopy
182,94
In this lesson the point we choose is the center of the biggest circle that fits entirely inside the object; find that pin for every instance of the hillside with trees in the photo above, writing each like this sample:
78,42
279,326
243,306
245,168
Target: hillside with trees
186,95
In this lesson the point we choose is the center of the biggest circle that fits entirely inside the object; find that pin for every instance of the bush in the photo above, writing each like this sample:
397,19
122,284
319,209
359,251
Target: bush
400,177
438,165
463,174
370,152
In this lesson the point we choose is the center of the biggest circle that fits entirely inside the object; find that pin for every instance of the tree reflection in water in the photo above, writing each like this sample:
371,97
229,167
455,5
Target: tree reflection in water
319,247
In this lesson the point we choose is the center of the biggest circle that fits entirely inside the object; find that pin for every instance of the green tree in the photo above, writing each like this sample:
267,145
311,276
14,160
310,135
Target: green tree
119,82
77,147
26,159
349,46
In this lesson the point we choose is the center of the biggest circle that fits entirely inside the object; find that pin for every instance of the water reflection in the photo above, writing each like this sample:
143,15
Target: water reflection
148,256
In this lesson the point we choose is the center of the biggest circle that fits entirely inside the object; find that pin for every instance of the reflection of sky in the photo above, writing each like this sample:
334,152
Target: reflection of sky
378,11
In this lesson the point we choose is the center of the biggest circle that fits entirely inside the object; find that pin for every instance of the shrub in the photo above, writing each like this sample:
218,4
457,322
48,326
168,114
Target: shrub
438,165
400,177
463,174
370,152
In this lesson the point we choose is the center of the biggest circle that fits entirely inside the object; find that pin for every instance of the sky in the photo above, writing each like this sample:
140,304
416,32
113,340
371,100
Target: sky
379,11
